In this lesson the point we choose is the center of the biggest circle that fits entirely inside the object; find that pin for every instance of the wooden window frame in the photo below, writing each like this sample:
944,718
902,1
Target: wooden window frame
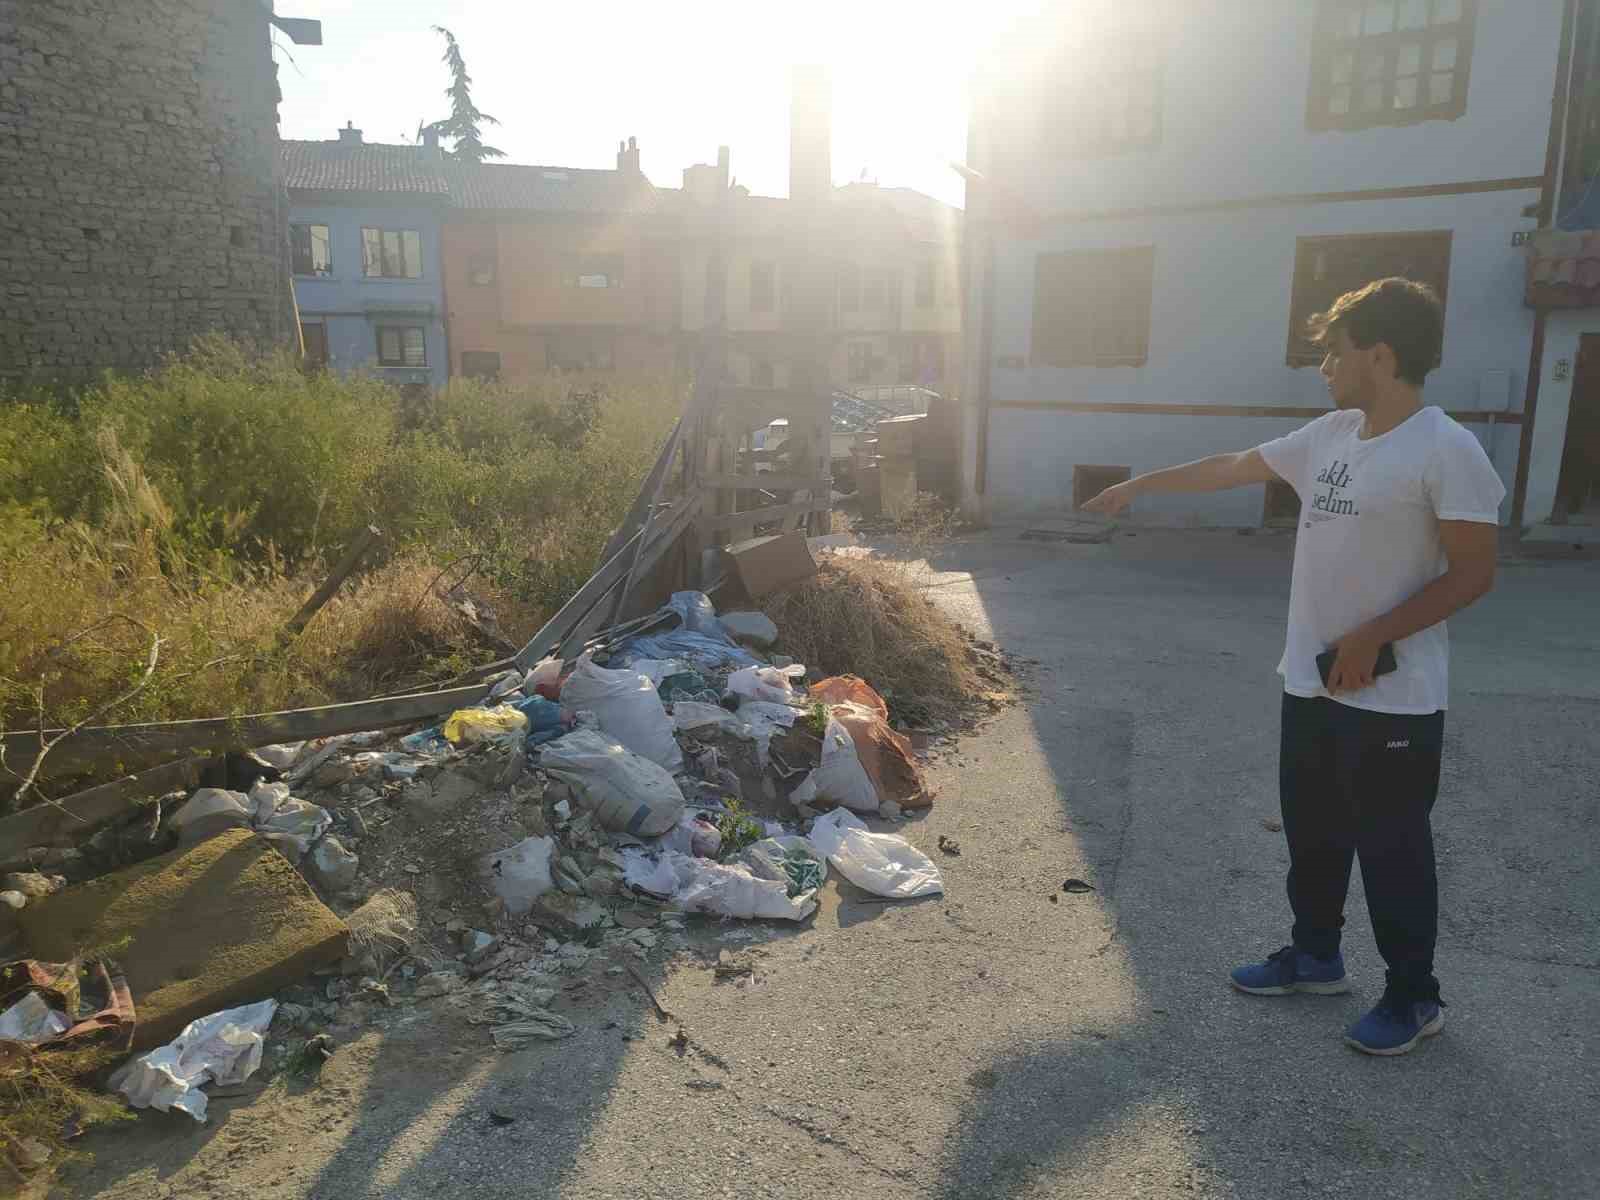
384,259
1330,41
401,330
1121,67
310,250
1300,351
1048,350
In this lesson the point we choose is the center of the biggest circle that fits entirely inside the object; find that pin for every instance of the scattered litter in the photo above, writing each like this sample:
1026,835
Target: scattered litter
881,863
291,825
224,1047
333,868
468,726
32,1021
519,874
695,834
1077,887
753,628
628,709
840,778
732,891
849,689
626,792
477,945
766,683
793,861
949,846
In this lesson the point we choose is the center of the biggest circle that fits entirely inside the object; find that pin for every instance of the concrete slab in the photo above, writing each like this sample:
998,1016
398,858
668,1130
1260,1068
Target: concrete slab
223,923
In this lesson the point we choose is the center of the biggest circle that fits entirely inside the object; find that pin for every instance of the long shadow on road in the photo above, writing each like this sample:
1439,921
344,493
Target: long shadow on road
1157,719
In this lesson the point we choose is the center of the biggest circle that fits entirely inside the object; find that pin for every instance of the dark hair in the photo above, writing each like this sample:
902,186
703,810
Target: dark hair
1403,315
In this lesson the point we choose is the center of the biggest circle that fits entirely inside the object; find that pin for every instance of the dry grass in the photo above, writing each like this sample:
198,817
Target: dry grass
865,617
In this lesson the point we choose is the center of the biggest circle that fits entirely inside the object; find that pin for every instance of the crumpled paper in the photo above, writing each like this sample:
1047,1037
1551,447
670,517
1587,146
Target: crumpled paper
223,1048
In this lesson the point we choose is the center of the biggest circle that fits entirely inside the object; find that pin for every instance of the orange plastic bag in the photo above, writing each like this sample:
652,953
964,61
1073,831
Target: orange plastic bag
886,756
848,689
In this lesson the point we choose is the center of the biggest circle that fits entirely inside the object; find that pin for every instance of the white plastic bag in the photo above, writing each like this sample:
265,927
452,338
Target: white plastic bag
519,874
695,834
291,825
765,683
840,778
695,714
627,792
626,705
882,863
705,886
32,1020
225,1047
211,811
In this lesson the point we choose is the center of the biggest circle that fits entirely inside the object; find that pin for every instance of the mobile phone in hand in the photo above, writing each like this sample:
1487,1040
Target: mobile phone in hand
1386,664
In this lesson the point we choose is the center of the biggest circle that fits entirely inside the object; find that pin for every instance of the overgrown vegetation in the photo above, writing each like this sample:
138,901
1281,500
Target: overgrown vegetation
205,500
866,617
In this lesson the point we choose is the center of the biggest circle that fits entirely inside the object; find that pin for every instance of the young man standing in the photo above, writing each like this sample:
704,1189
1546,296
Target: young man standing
1399,513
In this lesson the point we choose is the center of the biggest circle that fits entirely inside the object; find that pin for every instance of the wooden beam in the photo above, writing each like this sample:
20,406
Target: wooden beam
640,508
761,516
368,538
102,745
771,481
67,821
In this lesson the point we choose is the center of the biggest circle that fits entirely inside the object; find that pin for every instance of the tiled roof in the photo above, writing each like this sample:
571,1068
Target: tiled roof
367,167
504,186
421,171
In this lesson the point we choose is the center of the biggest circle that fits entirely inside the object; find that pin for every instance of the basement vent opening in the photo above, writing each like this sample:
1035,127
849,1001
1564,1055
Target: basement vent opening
90,235
1089,482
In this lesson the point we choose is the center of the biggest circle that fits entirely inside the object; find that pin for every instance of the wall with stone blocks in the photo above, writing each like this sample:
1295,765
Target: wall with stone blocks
139,205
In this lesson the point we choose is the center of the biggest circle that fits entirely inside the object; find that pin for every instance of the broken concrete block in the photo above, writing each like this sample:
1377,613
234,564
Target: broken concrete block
752,628
332,867
207,927
478,945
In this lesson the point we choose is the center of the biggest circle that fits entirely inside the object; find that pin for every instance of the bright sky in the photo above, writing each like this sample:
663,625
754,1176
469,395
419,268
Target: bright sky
569,80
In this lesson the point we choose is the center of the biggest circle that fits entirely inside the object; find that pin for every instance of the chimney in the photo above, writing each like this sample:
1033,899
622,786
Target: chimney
350,135
430,137
628,157
810,136
722,168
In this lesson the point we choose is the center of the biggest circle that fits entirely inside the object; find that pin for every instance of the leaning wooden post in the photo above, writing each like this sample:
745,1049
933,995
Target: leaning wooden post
368,538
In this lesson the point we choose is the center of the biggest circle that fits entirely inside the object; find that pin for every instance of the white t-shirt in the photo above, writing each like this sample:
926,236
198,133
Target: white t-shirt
1369,541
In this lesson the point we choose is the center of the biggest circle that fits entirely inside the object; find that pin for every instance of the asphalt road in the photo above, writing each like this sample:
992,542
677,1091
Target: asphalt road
998,1044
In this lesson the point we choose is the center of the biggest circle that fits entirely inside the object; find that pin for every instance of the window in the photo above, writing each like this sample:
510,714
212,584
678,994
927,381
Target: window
1091,308
1111,99
1325,268
480,364
761,374
880,290
860,361
592,271
311,249
402,346
579,352
763,286
1390,62
849,288
391,253
927,284
480,271
314,335
922,361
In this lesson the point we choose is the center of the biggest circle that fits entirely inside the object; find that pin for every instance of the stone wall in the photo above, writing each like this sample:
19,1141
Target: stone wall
138,201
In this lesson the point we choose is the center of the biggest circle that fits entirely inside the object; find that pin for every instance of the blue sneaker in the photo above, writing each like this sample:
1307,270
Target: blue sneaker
1395,1026
1292,970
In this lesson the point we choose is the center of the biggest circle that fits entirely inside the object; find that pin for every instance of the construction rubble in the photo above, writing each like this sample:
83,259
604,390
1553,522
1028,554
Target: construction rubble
499,865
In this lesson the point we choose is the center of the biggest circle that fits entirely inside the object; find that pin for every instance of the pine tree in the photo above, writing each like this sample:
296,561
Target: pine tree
461,126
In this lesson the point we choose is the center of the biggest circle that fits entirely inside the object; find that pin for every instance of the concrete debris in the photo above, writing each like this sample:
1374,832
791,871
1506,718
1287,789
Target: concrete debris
477,945
33,885
751,628
518,1035
440,983
332,867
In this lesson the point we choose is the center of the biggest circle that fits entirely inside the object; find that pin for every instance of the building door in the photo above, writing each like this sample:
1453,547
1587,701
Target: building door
1578,489
315,335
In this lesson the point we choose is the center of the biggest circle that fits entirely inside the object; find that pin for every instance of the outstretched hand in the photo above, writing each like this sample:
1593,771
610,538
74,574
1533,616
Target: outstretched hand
1111,501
